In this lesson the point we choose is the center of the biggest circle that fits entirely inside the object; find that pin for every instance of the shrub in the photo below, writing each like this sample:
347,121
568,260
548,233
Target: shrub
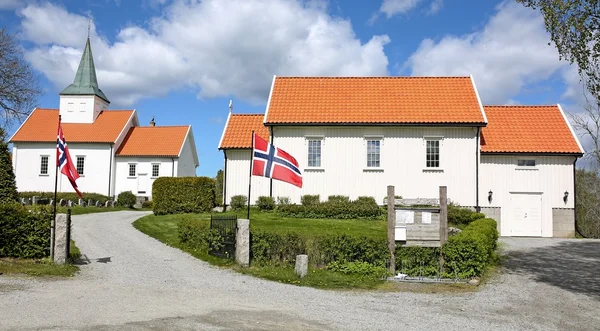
25,233
126,199
283,201
468,253
462,216
363,207
238,202
418,261
338,199
176,195
310,200
147,204
8,186
65,196
265,203
358,268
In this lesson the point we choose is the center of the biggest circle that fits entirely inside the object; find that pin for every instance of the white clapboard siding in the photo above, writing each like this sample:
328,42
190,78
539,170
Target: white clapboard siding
552,176
238,171
344,169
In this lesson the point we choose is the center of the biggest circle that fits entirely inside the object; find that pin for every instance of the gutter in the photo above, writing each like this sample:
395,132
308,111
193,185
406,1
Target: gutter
225,182
172,167
477,207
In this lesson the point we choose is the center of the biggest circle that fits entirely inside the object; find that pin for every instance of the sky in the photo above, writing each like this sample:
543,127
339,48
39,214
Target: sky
181,61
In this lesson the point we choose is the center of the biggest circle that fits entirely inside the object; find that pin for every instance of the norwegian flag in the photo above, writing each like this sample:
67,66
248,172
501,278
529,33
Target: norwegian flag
273,162
64,162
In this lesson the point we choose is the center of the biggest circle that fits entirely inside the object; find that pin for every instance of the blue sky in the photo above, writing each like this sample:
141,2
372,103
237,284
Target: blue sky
182,61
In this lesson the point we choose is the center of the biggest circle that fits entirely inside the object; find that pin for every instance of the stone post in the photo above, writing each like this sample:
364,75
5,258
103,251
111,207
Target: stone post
391,218
80,202
443,215
242,243
34,200
301,265
60,239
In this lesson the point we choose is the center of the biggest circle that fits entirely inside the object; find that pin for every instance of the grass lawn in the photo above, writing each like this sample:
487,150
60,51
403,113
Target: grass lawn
77,210
40,267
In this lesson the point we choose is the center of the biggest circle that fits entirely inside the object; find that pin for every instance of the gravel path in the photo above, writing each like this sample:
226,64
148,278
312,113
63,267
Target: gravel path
133,282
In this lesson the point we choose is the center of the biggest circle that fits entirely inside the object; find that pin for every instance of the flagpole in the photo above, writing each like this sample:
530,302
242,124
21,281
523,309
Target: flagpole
53,224
250,177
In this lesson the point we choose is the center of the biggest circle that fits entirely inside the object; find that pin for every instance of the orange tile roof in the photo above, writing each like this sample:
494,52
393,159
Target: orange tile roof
374,100
153,141
42,126
238,132
527,129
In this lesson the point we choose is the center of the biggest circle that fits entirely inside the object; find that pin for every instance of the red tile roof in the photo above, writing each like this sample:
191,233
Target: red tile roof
374,100
527,129
42,126
153,141
238,130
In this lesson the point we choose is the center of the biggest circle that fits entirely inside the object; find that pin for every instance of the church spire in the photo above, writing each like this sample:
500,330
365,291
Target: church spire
85,82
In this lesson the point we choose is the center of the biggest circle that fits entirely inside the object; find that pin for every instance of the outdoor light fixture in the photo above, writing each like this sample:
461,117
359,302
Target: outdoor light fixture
566,196
490,196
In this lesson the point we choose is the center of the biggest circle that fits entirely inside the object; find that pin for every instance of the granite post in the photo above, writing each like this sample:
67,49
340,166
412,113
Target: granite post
301,265
242,243
60,239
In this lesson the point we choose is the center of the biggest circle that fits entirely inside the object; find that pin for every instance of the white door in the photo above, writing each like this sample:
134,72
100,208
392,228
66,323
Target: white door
142,183
525,212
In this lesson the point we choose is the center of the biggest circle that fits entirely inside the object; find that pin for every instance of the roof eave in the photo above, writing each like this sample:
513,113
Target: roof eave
578,154
461,124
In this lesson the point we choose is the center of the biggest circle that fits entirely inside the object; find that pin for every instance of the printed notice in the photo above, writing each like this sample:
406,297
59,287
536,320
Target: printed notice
405,216
426,217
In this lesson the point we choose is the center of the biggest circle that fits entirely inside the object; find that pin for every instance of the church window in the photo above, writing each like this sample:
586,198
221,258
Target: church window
80,164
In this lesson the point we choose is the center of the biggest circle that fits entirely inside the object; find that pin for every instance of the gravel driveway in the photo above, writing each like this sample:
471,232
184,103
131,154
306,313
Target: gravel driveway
134,282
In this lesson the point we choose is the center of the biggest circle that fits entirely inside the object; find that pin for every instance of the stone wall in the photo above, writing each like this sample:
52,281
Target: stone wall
563,222
493,213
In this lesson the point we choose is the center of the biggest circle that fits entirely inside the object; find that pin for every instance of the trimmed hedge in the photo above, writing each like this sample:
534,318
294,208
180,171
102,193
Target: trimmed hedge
462,216
126,199
339,208
238,202
25,233
176,195
65,196
309,200
265,203
468,253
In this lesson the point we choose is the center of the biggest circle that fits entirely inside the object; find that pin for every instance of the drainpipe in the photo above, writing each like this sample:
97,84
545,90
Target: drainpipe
477,207
271,179
225,182
575,198
172,167
110,169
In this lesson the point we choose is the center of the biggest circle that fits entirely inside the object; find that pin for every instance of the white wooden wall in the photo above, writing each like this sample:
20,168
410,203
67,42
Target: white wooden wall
125,182
238,170
552,176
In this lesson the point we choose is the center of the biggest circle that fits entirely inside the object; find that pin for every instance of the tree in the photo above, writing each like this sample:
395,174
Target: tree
19,87
8,186
219,187
574,28
588,200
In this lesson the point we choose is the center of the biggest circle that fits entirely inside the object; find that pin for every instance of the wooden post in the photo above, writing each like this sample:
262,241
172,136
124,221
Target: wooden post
443,215
391,218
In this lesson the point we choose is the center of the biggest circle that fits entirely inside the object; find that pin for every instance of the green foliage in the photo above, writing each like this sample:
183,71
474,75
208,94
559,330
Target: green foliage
25,233
418,261
126,199
310,200
219,188
358,268
339,208
238,202
468,253
8,186
268,247
283,201
265,203
588,203
176,195
147,204
197,234
462,216
343,199
65,196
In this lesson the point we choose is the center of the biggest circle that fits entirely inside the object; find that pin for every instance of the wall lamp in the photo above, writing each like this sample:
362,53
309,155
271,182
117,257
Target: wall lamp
490,196
566,196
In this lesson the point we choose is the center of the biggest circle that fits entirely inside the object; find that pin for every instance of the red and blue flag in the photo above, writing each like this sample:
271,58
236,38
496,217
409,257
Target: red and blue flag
64,162
270,161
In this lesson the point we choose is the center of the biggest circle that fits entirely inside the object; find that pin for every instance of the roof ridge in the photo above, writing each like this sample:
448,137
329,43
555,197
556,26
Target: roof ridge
522,106
370,77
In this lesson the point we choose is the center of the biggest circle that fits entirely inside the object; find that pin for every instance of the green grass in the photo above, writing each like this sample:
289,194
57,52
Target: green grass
41,267
77,210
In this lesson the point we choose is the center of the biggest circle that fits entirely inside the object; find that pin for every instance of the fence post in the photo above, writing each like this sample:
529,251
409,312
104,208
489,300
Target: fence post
60,241
242,243
443,215
391,217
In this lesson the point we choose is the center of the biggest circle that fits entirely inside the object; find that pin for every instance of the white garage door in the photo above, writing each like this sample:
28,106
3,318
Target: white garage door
525,212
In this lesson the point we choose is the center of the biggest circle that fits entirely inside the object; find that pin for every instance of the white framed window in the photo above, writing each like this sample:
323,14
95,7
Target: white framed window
433,146
132,169
80,165
314,153
70,107
373,153
526,163
155,169
44,164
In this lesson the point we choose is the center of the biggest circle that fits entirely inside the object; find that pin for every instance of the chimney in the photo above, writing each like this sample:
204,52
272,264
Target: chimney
152,122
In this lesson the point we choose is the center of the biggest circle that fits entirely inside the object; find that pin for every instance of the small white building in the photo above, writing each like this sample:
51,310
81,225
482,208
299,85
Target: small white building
355,136
111,151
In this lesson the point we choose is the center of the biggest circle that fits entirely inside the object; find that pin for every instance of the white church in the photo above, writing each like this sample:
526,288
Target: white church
111,151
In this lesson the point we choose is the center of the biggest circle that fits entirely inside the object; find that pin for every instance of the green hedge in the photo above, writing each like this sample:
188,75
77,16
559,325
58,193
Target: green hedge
265,203
462,216
24,233
126,199
468,253
337,207
176,195
65,196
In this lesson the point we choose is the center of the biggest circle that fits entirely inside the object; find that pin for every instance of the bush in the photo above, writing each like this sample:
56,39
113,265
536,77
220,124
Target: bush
462,216
25,233
65,196
126,199
363,207
358,268
177,195
8,187
310,200
418,261
197,234
238,202
281,201
338,199
147,204
468,253
265,203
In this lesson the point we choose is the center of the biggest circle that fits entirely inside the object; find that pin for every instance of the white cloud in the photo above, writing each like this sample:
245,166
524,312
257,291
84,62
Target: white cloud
436,6
393,7
10,4
219,47
510,52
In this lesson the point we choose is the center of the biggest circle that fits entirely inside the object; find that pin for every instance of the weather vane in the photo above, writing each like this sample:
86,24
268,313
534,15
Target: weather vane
89,26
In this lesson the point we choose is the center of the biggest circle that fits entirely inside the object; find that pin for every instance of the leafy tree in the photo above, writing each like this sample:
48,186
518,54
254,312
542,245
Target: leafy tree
588,203
219,187
8,186
19,87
